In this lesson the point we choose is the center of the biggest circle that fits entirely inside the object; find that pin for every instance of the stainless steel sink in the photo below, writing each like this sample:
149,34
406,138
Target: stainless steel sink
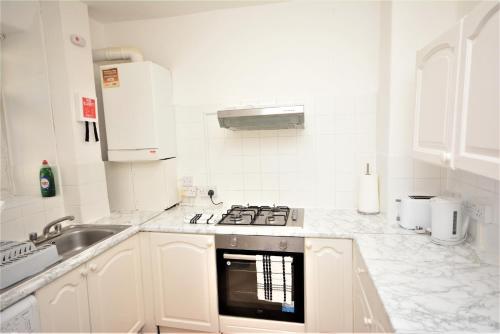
74,239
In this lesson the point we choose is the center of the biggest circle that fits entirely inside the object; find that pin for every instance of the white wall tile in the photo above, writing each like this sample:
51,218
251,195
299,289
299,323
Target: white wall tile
431,187
425,170
287,145
252,181
251,164
251,146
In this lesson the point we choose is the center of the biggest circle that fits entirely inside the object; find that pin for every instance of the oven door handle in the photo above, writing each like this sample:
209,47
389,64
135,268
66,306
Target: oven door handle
240,257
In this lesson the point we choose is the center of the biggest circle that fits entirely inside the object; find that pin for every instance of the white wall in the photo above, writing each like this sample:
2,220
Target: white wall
70,72
41,72
27,129
26,101
324,55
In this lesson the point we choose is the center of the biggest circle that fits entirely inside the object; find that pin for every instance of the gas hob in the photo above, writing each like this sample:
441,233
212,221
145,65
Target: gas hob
263,216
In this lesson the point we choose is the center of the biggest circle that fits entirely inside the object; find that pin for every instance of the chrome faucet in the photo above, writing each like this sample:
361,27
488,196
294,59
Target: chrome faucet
57,225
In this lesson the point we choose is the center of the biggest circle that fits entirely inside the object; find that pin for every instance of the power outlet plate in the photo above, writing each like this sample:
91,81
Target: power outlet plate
189,191
203,191
481,213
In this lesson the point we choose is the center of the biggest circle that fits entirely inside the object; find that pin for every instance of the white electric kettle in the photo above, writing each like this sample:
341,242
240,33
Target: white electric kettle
448,223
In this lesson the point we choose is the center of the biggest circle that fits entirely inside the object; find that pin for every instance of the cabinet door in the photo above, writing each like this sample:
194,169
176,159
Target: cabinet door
185,281
436,81
369,312
64,303
478,144
362,316
328,285
115,289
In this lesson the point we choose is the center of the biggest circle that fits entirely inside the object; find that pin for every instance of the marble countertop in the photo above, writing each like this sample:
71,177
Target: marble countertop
424,287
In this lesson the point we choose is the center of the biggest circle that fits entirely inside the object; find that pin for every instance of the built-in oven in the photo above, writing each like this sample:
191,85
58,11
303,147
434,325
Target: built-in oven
247,267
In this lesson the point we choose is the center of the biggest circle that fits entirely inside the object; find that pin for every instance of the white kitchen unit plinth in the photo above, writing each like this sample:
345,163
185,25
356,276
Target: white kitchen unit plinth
185,281
328,285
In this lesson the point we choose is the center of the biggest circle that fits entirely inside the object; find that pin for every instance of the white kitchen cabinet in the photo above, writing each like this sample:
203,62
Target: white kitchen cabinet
361,311
457,110
64,304
435,107
328,285
369,314
185,281
115,289
478,144
103,295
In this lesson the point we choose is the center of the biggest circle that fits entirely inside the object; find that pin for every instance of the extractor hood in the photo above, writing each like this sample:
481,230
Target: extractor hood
262,118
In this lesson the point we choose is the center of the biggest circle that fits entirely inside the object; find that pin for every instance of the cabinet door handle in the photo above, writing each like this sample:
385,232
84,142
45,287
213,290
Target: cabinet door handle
308,245
84,272
360,270
446,157
368,321
93,267
210,244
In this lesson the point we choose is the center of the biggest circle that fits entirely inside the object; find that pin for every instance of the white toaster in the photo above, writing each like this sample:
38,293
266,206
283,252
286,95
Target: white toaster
414,212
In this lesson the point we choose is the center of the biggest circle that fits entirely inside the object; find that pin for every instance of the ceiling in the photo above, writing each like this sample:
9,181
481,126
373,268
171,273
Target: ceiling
115,11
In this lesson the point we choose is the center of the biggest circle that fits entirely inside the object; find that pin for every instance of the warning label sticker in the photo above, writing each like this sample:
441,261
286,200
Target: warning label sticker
110,78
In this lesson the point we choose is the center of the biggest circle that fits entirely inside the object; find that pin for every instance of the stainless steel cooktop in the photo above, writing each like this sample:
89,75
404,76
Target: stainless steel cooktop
263,216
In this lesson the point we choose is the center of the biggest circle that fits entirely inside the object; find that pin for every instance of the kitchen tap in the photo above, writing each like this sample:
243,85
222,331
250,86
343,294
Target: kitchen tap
57,225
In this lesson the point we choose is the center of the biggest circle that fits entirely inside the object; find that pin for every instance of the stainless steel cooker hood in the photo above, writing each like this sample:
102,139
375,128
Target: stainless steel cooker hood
262,118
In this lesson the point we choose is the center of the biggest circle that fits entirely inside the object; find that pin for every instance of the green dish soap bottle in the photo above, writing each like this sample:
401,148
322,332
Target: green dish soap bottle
47,185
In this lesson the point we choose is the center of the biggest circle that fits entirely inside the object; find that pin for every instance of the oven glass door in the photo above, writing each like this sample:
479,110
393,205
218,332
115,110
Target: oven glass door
237,285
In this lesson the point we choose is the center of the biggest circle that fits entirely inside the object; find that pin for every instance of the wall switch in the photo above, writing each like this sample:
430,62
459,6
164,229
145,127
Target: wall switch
187,181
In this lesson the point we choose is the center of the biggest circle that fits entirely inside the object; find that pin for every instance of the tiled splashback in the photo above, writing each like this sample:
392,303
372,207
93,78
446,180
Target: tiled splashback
314,167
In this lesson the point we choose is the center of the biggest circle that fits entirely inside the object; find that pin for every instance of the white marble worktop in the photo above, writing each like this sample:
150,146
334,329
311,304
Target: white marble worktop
424,287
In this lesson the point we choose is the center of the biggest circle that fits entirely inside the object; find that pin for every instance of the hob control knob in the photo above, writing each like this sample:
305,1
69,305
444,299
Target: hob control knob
283,245
234,242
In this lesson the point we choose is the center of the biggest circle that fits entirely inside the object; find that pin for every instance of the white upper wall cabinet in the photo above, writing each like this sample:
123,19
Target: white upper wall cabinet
457,109
437,73
478,142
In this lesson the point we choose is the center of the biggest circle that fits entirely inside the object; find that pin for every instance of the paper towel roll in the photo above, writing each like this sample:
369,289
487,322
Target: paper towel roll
368,202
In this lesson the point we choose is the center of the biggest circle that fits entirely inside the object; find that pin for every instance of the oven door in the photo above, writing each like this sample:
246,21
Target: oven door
237,285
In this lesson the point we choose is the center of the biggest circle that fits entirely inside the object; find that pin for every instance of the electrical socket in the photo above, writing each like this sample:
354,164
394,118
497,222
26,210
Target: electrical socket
482,213
189,191
203,191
